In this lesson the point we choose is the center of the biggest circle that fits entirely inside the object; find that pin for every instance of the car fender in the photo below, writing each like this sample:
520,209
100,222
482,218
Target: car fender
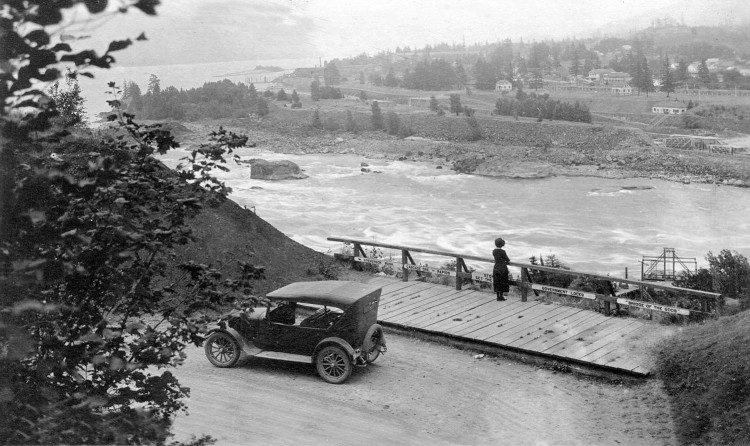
247,348
335,341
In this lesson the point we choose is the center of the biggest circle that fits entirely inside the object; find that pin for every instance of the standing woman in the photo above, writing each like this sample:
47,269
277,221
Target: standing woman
500,280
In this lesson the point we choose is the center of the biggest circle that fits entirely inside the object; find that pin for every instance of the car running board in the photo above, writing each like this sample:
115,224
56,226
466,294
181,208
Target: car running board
284,356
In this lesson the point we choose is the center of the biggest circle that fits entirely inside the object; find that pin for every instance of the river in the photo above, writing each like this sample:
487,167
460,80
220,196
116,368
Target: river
590,224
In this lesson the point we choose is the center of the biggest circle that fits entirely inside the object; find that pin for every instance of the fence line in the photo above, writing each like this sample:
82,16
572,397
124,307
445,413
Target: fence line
707,299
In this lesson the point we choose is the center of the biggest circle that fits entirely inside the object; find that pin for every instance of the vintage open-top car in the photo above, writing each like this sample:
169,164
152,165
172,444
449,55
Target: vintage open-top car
331,324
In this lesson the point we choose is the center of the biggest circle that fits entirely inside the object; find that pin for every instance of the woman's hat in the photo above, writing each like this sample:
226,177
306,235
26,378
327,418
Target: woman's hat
499,242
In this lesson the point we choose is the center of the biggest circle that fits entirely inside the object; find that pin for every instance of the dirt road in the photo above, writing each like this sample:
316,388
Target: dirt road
418,393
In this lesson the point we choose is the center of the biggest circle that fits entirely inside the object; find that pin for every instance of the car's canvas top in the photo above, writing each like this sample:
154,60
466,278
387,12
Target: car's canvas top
326,292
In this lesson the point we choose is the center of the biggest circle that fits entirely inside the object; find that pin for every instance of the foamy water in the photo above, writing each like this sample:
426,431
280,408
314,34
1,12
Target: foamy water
591,224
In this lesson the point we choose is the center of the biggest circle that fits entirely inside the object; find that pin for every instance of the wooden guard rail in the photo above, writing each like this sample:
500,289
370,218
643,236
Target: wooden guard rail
708,300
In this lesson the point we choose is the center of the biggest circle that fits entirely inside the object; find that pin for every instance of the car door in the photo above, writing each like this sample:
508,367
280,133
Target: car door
294,339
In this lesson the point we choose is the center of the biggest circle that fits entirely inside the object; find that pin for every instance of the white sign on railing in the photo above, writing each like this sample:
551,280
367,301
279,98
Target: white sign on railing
652,306
482,277
563,291
427,269
374,261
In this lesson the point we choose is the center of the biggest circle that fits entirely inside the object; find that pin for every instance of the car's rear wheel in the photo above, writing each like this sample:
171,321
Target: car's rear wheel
222,350
374,340
333,364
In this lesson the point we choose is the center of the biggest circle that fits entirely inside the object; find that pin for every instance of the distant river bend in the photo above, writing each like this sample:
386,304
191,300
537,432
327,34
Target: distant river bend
591,224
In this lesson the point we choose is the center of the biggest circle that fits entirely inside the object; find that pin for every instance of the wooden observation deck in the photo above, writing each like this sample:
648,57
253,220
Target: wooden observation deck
547,330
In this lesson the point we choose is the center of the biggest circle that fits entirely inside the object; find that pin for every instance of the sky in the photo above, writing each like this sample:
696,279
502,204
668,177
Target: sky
193,31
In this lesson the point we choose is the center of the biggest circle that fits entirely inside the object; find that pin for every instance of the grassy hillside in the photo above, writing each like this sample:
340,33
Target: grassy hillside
706,371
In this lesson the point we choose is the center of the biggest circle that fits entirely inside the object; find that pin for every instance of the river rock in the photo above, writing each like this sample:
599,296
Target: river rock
274,170
520,170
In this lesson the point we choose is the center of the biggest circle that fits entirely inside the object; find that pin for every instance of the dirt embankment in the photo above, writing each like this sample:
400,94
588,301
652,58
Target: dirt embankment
227,234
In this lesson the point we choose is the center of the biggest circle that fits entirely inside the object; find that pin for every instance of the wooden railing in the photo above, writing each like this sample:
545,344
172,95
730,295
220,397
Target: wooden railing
708,300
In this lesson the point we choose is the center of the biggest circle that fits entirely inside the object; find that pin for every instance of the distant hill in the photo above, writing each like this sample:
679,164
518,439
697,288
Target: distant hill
699,42
269,68
693,13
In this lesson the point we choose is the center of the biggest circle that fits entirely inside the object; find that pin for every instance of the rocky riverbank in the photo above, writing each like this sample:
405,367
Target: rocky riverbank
630,157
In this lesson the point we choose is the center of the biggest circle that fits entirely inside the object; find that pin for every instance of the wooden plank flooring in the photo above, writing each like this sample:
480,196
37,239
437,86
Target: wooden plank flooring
544,329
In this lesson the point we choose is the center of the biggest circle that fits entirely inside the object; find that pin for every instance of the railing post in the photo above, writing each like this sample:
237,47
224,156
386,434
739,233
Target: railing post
524,283
459,262
404,260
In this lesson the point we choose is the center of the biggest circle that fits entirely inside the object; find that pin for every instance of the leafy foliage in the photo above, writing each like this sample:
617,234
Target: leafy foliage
91,318
392,123
377,117
295,100
315,90
485,75
331,75
351,125
69,103
731,274
214,100
542,106
433,103
476,131
96,320
455,104
430,75
316,122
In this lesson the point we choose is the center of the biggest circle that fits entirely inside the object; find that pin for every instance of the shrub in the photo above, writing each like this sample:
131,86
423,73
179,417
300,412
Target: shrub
331,125
377,117
316,122
404,131
730,272
475,132
392,123
350,125
690,122
433,103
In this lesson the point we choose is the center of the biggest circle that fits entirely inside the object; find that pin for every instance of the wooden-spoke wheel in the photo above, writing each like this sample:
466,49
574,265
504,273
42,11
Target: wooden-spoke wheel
333,364
222,350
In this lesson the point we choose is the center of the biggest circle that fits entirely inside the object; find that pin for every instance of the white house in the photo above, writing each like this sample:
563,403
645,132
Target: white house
503,85
599,74
669,108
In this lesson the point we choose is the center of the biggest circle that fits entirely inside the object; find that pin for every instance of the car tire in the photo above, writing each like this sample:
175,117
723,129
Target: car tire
333,364
222,350
373,341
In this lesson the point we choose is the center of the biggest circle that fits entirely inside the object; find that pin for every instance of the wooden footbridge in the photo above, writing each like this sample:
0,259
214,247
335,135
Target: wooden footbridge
572,335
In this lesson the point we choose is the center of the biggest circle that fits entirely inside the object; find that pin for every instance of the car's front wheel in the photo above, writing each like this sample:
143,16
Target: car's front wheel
222,349
333,364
